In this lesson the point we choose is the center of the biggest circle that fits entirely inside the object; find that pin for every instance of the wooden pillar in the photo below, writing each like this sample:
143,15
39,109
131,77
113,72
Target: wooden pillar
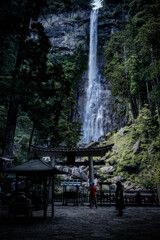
26,185
77,195
51,183
101,193
91,169
53,161
158,192
50,190
45,197
17,177
53,196
71,159
110,193
63,195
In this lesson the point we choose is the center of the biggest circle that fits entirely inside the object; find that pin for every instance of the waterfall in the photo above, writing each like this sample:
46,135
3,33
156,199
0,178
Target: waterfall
93,112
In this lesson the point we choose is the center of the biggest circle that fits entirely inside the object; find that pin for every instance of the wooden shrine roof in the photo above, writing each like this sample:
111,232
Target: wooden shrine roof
34,166
37,166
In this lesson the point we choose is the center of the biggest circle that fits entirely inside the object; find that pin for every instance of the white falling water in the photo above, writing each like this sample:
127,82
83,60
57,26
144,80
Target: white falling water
93,114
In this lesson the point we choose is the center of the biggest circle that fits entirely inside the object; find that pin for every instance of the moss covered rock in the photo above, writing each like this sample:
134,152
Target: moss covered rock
134,160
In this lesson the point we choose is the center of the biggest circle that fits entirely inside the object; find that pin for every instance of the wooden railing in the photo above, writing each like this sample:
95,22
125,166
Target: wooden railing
130,198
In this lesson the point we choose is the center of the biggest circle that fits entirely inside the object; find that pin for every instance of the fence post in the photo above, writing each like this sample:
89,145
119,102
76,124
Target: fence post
158,192
91,169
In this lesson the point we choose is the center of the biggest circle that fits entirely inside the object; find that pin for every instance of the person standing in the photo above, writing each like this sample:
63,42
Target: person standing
119,199
93,197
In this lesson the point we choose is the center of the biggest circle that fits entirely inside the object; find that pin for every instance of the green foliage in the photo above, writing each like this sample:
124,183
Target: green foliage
3,118
108,134
64,5
21,140
115,68
132,57
25,123
77,17
141,167
47,95
21,149
73,65
106,2
45,86
145,127
117,11
69,133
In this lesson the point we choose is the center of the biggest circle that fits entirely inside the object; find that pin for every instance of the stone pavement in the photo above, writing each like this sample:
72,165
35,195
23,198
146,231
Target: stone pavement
81,222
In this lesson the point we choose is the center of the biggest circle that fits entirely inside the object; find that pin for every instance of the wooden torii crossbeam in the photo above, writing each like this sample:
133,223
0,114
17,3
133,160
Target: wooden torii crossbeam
79,152
72,153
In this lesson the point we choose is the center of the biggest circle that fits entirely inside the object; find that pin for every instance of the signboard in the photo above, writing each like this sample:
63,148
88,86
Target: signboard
70,183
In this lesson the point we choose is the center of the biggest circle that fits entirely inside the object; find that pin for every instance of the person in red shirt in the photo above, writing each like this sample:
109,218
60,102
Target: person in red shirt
92,195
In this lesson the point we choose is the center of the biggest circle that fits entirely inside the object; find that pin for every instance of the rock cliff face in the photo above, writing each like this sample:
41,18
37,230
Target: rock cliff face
68,30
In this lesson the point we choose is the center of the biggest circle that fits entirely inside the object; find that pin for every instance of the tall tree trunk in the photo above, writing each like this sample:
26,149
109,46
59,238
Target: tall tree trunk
148,96
30,140
152,59
158,112
14,101
125,59
133,110
133,105
140,101
11,126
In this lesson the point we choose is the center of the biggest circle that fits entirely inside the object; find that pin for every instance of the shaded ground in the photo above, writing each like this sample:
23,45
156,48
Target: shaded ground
72,222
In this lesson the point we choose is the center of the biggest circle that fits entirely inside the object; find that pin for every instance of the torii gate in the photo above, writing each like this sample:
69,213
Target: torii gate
72,153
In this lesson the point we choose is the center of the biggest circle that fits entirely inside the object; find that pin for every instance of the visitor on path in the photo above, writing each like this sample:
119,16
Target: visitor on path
119,199
92,195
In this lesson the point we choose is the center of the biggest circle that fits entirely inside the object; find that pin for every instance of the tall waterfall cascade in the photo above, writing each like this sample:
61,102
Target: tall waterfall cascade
93,112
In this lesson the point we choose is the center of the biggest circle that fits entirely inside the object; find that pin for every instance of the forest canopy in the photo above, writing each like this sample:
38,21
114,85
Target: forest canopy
36,90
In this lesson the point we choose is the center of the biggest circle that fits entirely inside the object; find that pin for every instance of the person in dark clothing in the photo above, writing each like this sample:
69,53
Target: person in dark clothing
138,199
119,199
